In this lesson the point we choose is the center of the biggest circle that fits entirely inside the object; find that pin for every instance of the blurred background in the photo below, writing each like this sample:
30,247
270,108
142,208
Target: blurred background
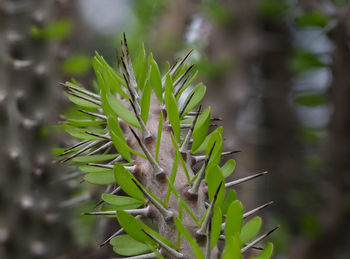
277,72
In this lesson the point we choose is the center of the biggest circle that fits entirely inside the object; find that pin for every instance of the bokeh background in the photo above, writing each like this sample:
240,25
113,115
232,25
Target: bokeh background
277,72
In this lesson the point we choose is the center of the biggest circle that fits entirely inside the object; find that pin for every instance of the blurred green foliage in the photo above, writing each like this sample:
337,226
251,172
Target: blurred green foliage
311,98
78,64
272,9
302,61
313,18
54,30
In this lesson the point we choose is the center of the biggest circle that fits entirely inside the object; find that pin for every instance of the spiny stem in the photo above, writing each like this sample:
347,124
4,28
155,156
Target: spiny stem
156,168
245,179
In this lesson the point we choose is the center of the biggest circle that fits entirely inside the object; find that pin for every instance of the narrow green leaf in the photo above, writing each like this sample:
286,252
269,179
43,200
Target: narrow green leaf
122,111
156,79
214,178
230,197
139,64
118,139
204,145
195,248
103,178
172,176
183,164
83,103
234,219
145,101
215,227
124,180
228,168
188,83
122,202
201,128
159,135
85,123
133,227
80,134
93,169
94,158
250,230
232,248
266,253
127,246
198,94
171,108
216,154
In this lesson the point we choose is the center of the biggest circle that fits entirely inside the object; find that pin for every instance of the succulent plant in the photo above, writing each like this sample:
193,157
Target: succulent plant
141,135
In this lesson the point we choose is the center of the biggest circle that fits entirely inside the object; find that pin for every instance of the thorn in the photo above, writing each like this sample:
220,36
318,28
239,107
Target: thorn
92,144
142,211
245,179
74,146
85,98
116,190
171,251
254,242
108,144
203,229
185,105
100,116
251,212
116,233
88,93
158,171
106,137
144,256
167,214
186,142
200,176
200,158
178,65
182,76
145,132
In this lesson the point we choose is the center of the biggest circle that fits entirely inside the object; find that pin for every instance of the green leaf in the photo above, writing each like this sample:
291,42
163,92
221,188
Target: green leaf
228,168
127,246
250,230
83,103
80,134
156,79
234,219
93,169
124,180
133,227
303,61
159,135
201,128
94,158
266,253
230,197
57,30
195,248
232,248
122,202
172,176
85,123
198,94
145,101
216,154
204,145
311,98
122,111
189,82
215,227
171,108
139,65
214,178
182,161
100,178
313,18
118,139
